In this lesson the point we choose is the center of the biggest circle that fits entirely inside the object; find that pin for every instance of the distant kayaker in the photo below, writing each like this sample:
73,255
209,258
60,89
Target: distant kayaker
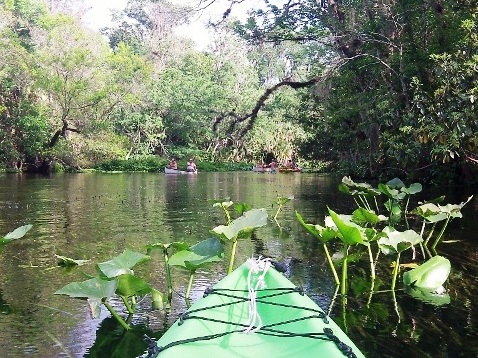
173,164
191,166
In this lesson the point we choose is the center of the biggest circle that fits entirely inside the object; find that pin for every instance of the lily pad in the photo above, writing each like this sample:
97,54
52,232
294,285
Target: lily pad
177,245
246,223
199,255
69,262
241,208
95,288
324,234
363,216
351,233
130,285
431,275
16,234
121,264
398,241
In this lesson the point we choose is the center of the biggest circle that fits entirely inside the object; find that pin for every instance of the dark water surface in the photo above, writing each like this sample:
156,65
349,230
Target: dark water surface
97,216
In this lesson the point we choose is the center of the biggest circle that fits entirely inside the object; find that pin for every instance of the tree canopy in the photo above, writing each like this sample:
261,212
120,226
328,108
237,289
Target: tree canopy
374,88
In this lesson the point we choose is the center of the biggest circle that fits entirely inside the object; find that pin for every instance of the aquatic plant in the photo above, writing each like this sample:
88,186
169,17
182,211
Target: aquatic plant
281,201
240,228
224,204
114,277
165,250
324,235
434,213
397,242
198,256
16,234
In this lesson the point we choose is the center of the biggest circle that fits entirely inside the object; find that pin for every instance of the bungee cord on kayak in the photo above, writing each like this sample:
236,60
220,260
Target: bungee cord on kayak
256,266
256,294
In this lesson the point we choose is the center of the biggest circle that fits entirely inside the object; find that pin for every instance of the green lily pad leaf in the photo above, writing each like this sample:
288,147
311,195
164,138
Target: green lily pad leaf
398,241
251,219
343,188
391,193
68,262
426,210
454,209
199,255
89,289
283,200
431,275
348,186
159,300
351,233
324,234
425,295
177,245
241,208
121,264
95,307
413,189
130,285
394,208
19,232
362,216
395,183
16,234
437,200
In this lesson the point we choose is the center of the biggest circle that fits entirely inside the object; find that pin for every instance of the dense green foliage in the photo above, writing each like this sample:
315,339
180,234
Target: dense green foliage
377,89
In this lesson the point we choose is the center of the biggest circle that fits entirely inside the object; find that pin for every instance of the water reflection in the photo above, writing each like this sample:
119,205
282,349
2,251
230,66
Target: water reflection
97,216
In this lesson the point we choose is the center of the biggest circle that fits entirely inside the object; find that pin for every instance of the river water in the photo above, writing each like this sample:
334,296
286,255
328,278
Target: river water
97,216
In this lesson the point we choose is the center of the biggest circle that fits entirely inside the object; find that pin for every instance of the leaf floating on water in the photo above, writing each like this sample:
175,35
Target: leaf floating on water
68,262
16,234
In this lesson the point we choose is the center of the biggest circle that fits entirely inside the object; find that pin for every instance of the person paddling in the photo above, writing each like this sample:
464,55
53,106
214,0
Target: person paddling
173,164
191,166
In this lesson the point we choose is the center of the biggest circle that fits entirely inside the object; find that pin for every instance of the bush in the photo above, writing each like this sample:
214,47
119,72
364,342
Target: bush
151,164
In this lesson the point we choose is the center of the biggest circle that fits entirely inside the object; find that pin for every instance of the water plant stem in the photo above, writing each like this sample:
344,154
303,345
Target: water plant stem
430,234
395,271
441,232
129,307
331,264
190,284
372,263
364,202
343,289
405,212
233,256
168,274
115,314
277,212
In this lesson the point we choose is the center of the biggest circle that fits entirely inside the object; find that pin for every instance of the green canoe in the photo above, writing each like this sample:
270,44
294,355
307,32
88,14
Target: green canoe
281,322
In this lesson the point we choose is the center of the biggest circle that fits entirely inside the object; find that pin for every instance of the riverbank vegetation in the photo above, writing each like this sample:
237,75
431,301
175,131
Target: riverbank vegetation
374,89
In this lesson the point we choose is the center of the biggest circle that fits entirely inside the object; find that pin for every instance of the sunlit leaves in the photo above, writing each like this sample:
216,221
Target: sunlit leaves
94,288
16,234
198,255
432,274
350,233
398,241
242,226
121,264
69,262
324,234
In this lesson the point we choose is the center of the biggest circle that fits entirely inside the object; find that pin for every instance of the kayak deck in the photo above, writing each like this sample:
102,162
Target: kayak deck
284,323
